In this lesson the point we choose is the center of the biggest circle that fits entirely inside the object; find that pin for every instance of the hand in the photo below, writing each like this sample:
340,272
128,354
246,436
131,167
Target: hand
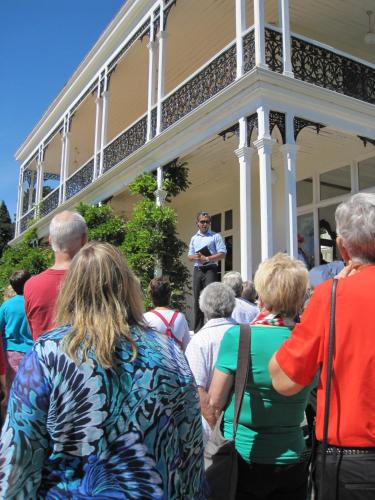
350,269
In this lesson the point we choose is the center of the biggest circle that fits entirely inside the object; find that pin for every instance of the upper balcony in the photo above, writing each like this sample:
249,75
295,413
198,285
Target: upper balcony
169,61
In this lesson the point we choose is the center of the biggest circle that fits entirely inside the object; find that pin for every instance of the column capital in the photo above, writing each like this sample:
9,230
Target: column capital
162,35
291,149
264,143
245,153
152,45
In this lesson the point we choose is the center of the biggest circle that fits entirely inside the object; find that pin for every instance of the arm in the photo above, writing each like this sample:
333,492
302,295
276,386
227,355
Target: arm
206,409
219,392
298,359
280,380
186,335
25,446
220,247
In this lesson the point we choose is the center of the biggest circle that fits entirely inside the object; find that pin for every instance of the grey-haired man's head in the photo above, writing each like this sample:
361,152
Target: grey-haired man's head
67,232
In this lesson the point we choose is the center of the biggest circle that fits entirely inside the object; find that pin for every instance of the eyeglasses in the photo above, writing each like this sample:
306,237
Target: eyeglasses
203,222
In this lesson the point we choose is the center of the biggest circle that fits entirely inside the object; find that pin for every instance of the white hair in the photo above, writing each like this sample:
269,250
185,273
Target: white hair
66,231
217,301
234,280
355,224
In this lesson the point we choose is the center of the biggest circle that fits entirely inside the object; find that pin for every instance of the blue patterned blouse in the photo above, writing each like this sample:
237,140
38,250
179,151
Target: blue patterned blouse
132,432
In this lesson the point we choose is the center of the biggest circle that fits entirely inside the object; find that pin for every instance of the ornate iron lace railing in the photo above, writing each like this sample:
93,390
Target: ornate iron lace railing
50,202
325,68
209,81
321,66
249,51
274,50
25,219
154,114
125,144
80,179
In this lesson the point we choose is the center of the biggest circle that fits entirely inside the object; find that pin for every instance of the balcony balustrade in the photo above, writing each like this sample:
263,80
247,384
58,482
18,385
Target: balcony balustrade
311,62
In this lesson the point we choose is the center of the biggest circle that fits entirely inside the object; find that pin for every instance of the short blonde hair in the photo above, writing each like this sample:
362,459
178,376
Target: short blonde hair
101,299
281,283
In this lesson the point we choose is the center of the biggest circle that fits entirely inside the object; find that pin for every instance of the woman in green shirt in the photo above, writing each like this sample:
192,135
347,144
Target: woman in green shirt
274,460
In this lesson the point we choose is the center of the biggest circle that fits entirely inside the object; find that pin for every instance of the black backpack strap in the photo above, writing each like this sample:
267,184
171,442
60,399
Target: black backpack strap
243,363
331,346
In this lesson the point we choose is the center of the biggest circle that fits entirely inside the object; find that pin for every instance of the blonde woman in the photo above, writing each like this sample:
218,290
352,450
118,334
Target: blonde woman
102,407
274,462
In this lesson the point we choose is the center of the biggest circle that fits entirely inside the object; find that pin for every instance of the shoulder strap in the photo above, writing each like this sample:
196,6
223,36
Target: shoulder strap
243,363
168,325
331,346
160,316
173,319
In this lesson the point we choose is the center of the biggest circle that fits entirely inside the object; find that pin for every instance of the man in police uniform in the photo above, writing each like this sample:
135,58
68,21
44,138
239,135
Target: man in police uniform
206,249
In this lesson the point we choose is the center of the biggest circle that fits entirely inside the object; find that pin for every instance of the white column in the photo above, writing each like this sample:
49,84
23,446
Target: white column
244,155
264,145
31,190
151,95
159,200
240,28
289,153
65,153
39,181
285,26
104,126
62,167
259,34
19,202
98,123
162,37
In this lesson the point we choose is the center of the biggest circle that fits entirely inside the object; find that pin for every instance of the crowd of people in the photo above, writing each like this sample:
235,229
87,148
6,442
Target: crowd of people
104,400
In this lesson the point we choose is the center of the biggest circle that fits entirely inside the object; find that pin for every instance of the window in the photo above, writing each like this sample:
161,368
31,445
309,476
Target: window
216,223
336,182
304,190
366,173
226,232
305,228
327,234
228,224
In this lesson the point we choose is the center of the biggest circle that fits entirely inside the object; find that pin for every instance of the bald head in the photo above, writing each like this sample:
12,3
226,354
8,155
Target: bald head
67,232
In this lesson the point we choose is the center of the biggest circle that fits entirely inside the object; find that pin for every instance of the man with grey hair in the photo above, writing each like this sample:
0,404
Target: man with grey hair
67,235
216,302
244,311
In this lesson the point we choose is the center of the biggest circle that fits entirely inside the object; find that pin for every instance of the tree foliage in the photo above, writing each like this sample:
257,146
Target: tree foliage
151,234
175,181
24,255
103,224
6,227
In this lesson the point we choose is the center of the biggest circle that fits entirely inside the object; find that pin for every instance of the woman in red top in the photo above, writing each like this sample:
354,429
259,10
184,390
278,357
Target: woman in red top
350,465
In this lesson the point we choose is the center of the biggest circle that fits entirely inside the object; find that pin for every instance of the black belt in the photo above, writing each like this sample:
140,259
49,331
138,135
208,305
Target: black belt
205,268
343,450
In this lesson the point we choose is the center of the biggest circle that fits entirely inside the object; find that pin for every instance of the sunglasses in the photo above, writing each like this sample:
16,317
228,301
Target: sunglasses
203,222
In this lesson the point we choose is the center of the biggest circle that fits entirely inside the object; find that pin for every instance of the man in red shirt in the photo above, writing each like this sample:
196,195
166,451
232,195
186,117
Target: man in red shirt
67,235
350,458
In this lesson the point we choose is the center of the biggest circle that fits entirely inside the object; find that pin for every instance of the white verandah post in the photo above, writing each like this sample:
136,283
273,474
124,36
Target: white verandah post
244,155
289,152
264,145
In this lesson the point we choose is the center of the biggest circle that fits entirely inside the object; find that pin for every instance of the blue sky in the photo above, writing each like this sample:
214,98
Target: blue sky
41,44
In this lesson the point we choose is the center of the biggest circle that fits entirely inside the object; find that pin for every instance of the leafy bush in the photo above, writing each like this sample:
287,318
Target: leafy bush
25,255
102,223
151,233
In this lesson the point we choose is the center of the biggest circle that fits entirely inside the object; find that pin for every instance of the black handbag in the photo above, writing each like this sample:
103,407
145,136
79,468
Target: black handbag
220,454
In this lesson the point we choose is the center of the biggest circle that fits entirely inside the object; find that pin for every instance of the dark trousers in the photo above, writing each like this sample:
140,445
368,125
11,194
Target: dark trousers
347,476
201,278
272,482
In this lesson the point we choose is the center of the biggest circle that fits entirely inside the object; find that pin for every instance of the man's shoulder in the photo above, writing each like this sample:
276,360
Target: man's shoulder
43,278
